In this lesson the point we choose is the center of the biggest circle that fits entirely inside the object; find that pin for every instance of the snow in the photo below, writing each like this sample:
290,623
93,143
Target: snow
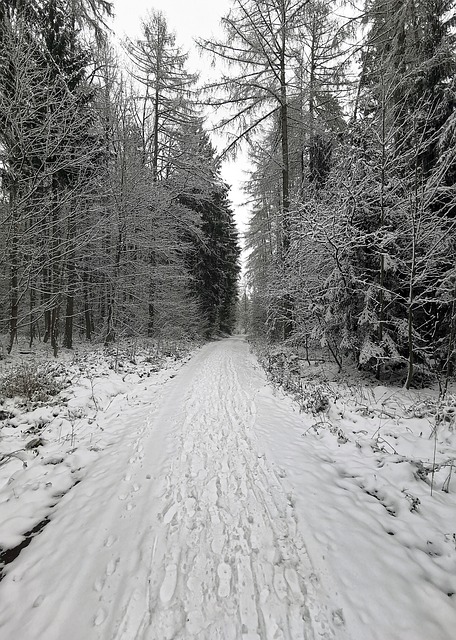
197,502
385,544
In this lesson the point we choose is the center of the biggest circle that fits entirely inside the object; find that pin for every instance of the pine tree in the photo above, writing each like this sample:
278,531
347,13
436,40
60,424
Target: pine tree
213,258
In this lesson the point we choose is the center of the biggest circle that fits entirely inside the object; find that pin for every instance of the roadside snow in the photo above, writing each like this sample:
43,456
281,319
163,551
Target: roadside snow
361,471
47,447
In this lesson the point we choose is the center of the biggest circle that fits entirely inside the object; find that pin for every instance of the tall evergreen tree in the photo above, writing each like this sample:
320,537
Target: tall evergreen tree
213,258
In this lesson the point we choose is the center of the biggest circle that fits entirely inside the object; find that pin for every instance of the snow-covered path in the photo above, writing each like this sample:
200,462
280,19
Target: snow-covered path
181,529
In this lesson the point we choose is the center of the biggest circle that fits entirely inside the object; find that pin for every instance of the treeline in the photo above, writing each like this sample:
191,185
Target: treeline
350,112
114,220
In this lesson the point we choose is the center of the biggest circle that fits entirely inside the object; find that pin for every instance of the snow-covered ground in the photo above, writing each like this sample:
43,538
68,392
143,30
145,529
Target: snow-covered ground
379,524
198,502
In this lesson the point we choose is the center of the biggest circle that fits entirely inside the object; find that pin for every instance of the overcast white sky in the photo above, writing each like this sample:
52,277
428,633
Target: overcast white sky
189,19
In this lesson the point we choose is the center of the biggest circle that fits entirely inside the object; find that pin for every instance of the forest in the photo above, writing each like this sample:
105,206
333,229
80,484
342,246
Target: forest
115,220
352,235
210,429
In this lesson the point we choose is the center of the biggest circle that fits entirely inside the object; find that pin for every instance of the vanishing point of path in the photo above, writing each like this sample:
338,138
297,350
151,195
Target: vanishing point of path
180,530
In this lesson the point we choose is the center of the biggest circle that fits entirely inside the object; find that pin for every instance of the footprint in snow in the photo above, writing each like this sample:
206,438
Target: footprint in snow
280,586
218,539
98,584
195,621
100,617
169,514
38,601
169,583
293,581
109,541
111,566
224,575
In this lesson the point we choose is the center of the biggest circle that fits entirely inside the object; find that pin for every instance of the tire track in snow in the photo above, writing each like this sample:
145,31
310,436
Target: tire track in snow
234,563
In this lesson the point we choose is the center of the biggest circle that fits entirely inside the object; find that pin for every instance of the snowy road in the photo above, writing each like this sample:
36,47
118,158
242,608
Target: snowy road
181,529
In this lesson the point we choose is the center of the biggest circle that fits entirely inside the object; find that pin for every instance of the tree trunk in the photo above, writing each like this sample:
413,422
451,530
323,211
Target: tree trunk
381,302
71,284
55,328
32,317
287,301
14,268
55,264
69,314
150,319
110,330
411,295
88,320
155,142
47,322
285,158
410,364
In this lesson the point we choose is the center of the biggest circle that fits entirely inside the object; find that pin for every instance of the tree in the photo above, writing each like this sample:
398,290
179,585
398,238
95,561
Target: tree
46,147
259,51
163,106
370,262
314,80
411,52
162,110
211,242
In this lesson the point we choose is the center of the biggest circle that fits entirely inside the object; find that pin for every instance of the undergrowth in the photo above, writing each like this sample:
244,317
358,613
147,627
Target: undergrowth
37,383
336,401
